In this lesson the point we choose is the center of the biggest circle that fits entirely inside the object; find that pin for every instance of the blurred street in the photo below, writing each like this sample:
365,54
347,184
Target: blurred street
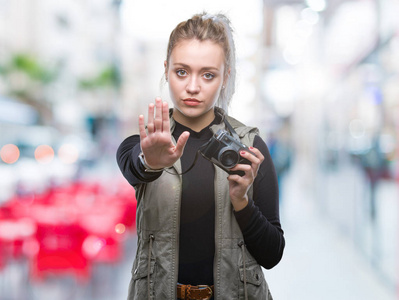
321,261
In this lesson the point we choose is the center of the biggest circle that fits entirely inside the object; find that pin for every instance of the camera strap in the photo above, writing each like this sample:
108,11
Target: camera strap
192,165
233,133
231,129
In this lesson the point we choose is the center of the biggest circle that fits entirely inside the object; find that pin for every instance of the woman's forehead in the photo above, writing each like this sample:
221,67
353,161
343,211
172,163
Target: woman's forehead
195,52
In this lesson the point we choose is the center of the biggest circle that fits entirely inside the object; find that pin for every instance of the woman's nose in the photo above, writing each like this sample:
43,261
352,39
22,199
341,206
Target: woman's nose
193,86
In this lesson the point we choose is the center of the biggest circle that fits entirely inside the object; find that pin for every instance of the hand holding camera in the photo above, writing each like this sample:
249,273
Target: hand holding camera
224,151
227,152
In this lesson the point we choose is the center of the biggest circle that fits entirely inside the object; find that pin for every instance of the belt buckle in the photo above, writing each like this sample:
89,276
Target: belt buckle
209,289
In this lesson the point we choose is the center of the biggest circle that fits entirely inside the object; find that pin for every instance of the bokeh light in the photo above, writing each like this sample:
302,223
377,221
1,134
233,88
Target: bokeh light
317,5
44,154
120,228
31,247
9,153
68,153
92,245
310,16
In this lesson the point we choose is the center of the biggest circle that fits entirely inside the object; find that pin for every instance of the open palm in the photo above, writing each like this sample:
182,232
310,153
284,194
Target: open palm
156,142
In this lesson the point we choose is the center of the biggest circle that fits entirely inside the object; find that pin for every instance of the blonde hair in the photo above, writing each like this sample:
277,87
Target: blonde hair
216,28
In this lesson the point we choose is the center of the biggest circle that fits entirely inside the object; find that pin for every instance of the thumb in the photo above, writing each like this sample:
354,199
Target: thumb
181,142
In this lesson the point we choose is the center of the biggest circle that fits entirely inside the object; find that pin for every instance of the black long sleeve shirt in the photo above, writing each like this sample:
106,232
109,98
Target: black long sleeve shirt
259,220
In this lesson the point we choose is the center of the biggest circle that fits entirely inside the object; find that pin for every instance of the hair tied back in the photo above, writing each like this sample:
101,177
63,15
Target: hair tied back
208,16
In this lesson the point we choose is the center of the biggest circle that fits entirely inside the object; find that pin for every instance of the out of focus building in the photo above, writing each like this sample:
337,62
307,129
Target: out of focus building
331,69
59,83
77,40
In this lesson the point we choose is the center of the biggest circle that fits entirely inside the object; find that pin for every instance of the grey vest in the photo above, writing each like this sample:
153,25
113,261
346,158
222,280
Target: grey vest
154,272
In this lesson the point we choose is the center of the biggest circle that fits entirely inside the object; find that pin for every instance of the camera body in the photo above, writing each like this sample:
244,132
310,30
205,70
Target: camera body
224,151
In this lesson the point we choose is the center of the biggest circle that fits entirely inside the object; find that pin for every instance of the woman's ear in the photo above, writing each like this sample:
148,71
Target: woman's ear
165,64
226,78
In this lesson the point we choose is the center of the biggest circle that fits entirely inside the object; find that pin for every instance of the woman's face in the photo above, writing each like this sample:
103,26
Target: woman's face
196,75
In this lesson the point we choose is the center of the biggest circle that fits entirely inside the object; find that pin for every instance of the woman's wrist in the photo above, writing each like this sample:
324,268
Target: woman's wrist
240,204
147,168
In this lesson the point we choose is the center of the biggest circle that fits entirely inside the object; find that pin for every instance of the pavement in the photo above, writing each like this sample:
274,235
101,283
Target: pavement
321,262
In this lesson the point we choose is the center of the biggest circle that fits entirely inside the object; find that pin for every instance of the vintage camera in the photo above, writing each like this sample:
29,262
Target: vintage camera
224,151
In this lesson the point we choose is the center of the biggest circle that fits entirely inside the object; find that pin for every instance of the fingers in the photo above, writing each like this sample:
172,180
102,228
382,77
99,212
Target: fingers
165,117
142,131
150,124
247,169
158,114
255,157
181,143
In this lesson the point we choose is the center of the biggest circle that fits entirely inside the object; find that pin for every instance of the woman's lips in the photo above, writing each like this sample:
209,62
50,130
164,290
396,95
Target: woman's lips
191,102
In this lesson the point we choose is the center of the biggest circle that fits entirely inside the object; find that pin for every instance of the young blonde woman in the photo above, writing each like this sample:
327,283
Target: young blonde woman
203,231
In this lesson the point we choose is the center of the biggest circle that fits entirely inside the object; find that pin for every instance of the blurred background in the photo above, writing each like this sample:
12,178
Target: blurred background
320,78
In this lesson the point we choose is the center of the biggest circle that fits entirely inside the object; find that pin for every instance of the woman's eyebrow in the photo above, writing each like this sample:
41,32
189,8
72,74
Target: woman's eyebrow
202,69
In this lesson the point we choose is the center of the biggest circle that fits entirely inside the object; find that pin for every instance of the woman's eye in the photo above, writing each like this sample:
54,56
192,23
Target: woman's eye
181,73
209,76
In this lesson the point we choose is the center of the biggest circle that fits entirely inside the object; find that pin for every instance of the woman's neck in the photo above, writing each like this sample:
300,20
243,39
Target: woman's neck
194,123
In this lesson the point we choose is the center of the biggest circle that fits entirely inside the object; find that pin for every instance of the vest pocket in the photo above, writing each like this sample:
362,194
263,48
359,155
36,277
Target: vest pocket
141,270
257,288
254,274
139,285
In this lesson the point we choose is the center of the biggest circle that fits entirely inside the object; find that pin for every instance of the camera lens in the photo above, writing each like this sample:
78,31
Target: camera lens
229,158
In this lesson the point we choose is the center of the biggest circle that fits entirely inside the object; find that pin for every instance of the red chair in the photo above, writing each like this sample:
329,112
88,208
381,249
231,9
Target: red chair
103,224
14,233
102,250
60,252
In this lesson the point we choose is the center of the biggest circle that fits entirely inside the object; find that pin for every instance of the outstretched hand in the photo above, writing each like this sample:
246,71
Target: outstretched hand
156,142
